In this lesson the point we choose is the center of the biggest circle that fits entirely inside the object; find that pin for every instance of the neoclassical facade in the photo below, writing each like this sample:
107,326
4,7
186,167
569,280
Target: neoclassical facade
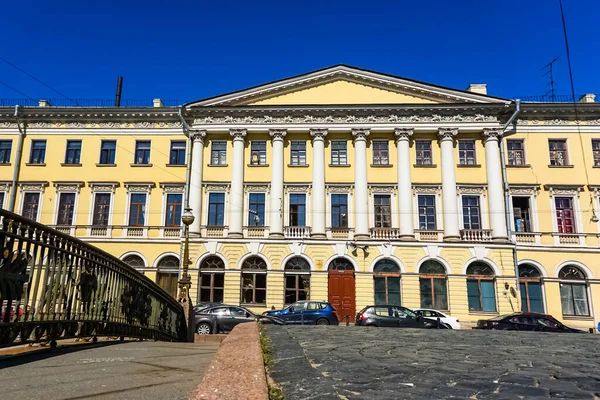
342,184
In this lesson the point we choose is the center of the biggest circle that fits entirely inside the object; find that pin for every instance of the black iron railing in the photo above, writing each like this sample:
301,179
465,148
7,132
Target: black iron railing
53,286
86,103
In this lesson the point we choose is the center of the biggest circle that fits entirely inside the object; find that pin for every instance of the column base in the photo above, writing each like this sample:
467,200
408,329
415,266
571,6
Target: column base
407,238
451,238
500,239
235,235
276,235
318,236
361,236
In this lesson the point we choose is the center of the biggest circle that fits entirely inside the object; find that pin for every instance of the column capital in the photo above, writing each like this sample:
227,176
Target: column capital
318,133
238,134
360,134
277,134
447,133
492,134
198,135
403,133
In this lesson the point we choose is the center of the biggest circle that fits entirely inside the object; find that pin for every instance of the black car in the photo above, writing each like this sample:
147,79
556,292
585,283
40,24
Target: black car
525,322
223,318
392,316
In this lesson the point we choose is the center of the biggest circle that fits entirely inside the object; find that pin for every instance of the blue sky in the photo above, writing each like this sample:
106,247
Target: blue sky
188,50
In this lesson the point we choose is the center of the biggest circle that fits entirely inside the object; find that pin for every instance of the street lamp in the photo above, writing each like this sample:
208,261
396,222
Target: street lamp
185,283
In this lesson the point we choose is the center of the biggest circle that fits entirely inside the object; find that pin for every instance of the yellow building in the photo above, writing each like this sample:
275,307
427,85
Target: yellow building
341,184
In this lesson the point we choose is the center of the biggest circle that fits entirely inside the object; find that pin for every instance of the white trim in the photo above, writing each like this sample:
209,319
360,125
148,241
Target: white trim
391,257
393,206
40,202
206,205
497,271
93,202
583,267
483,211
475,152
161,256
329,215
439,259
246,217
135,253
3,202
439,215
57,205
286,207
533,214
536,264
576,211
248,255
333,257
303,256
208,254
426,127
146,208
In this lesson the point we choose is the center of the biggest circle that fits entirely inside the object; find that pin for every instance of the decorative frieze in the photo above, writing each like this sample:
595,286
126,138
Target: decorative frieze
216,187
532,190
33,186
302,188
256,188
68,186
429,189
139,187
103,186
564,190
382,189
5,186
172,187
339,189
471,189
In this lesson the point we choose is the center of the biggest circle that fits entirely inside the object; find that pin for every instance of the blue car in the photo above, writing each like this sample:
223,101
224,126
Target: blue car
307,313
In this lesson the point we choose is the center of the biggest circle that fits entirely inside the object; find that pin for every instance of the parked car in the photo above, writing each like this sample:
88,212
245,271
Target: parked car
433,315
223,318
525,322
202,306
393,316
307,312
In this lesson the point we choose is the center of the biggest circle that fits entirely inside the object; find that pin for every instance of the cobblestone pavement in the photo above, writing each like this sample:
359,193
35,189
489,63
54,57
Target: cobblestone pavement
383,363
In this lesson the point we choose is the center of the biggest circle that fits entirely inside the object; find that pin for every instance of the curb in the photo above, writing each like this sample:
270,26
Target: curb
237,370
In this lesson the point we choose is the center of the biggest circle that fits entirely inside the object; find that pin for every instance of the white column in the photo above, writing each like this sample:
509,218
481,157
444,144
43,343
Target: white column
361,196
449,195
276,199
405,198
318,184
195,189
236,196
494,178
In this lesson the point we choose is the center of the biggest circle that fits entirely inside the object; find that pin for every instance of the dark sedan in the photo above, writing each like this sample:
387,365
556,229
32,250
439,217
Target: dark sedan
525,322
393,316
307,312
223,318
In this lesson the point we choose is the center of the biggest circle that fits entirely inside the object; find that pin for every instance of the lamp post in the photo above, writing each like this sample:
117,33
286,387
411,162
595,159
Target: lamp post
185,283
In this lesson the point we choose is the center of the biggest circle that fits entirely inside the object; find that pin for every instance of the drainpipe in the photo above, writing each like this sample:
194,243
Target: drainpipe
507,190
17,169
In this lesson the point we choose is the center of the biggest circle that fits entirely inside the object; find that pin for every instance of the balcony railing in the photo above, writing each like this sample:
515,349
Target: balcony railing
569,239
476,235
297,232
429,236
385,233
527,238
256,232
340,233
215,231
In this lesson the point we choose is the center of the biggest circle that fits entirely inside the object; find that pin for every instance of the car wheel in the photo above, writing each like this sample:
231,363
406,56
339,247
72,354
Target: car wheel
322,321
203,329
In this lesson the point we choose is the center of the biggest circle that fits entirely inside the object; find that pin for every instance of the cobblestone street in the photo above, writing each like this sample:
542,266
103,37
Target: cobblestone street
379,363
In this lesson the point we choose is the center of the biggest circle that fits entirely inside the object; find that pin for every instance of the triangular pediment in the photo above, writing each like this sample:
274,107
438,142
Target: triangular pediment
345,85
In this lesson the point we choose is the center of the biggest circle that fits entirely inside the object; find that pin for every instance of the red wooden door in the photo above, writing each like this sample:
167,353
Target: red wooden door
342,294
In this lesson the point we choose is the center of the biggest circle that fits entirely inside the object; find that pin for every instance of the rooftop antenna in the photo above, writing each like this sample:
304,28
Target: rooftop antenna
549,68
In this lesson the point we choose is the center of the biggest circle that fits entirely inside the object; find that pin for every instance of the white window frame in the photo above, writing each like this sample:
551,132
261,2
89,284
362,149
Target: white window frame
373,151
328,214
137,189
247,208
40,202
574,195
525,161
3,202
475,152
286,214
533,212
393,206
59,193
432,153
206,205
568,150
167,190
100,154
483,207
439,215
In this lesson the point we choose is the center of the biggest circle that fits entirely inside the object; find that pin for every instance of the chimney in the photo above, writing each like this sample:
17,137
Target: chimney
158,103
479,88
44,103
588,98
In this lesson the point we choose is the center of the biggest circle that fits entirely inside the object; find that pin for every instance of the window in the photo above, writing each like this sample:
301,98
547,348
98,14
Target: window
168,274
5,149
101,209
173,212
466,152
2,195
256,209
595,152
480,287
339,210
565,220
297,209
177,156
433,284
383,211
134,261
516,152
522,214
38,152
66,208
471,212
31,204
212,280
218,153
423,148
107,152
298,152
427,212
381,153
341,264
142,152
339,152
216,209
558,152
258,152
137,209
297,280
73,153
530,287
573,291
254,281
386,277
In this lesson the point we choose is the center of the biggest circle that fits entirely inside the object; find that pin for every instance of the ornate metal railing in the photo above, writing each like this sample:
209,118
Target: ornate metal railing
53,286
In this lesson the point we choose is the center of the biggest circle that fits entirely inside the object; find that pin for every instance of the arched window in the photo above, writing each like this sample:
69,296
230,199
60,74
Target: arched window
341,264
530,286
433,283
573,291
480,287
254,281
297,280
134,261
168,274
212,280
386,280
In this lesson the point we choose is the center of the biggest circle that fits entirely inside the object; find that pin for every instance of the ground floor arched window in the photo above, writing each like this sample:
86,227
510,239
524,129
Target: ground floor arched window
254,281
481,287
386,281
212,280
297,280
573,291
168,274
433,284
530,287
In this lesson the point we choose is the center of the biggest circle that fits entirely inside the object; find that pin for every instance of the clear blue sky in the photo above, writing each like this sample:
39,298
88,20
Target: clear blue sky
188,50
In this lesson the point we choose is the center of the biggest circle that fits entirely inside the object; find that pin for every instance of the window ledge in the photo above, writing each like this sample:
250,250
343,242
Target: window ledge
5,164
140,165
519,166
298,166
35,164
175,165
217,165
484,313
578,317
560,166
257,165
382,165
339,165
105,165
468,165
595,166
425,165
69,165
